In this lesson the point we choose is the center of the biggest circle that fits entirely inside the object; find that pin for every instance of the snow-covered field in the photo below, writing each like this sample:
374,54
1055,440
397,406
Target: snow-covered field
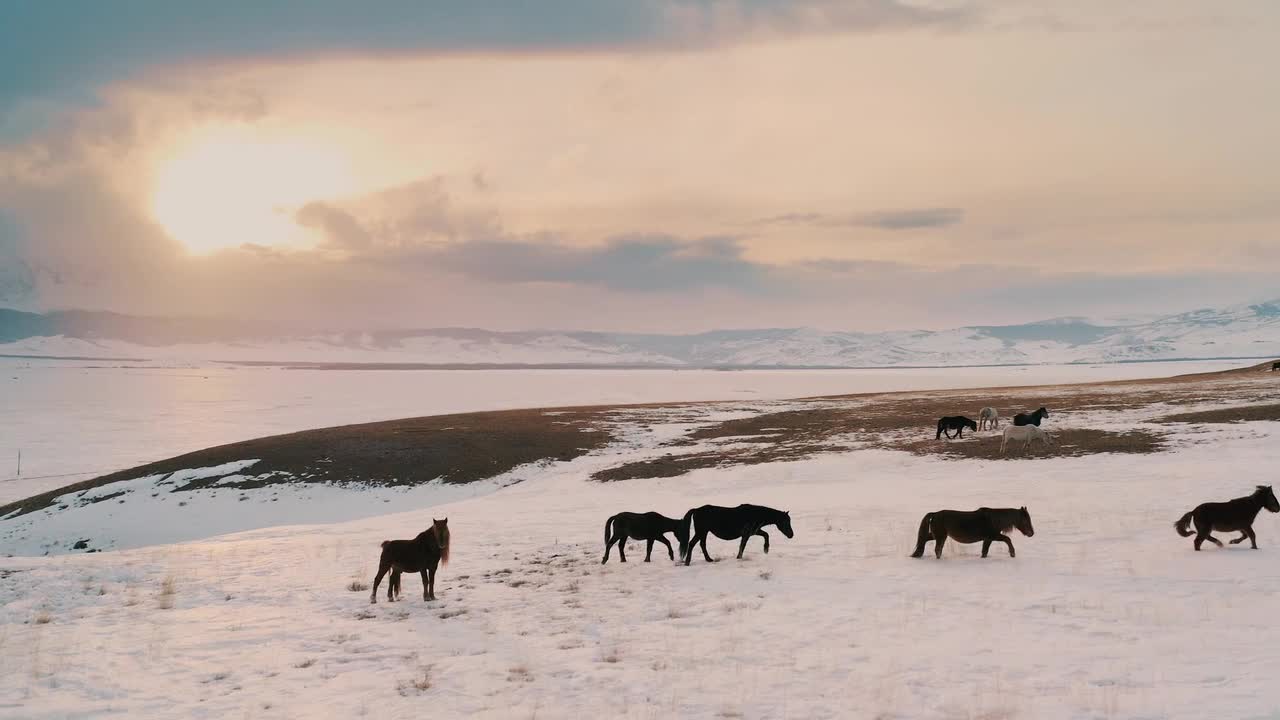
1105,613
72,420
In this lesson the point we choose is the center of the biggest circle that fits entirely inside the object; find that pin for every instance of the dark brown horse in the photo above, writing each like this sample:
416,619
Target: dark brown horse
987,525
1031,418
731,523
422,554
650,527
954,422
1230,516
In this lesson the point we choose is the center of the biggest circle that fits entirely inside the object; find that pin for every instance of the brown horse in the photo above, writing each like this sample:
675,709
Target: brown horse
987,525
422,554
1230,516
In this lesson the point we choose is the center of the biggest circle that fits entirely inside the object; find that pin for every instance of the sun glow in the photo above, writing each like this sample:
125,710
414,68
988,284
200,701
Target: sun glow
225,187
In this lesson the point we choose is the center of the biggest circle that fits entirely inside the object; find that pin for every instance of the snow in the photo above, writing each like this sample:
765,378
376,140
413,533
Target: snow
1105,612
73,420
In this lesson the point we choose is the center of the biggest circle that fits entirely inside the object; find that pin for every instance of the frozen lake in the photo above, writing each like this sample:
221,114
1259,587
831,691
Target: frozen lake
71,420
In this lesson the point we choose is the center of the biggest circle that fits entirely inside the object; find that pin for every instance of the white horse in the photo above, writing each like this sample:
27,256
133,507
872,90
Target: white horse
988,417
1025,433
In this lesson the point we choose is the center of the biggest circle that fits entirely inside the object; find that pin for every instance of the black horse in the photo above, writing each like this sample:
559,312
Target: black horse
984,524
1031,418
954,422
650,527
1230,516
726,523
1275,366
422,554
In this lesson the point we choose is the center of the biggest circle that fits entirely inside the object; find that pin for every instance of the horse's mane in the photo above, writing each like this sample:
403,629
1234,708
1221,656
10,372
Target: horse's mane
1005,519
441,534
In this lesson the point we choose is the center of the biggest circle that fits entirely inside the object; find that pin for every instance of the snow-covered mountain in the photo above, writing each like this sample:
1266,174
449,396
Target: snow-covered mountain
1243,331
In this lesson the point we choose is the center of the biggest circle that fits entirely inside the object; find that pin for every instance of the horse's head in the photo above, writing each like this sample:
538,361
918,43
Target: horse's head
1269,498
441,530
971,424
784,524
1043,412
1023,523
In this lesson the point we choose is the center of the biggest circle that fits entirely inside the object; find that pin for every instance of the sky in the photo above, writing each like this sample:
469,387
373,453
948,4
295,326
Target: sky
642,165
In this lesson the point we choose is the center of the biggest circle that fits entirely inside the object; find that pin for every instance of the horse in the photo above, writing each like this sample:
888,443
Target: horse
726,523
1275,366
1025,433
1031,418
988,418
954,422
986,524
650,527
423,554
1230,516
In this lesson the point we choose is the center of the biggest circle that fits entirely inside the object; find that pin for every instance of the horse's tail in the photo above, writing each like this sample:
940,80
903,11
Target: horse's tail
926,529
686,525
1183,526
607,524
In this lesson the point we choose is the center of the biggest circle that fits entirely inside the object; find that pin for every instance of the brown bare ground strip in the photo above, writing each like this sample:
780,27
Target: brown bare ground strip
1245,413
456,448
1072,442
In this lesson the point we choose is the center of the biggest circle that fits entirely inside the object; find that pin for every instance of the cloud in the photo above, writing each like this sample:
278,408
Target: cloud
17,281
340,228
635,263
65,50
909,219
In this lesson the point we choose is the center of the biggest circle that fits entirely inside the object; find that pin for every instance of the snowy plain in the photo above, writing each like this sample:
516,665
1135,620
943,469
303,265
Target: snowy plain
1105,613
75,419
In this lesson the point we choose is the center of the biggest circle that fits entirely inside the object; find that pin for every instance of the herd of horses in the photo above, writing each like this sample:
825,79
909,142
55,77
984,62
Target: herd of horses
1025,427
426,552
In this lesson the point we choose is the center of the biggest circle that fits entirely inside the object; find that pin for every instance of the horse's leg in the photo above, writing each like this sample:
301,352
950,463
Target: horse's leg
693,542
622,544
648,549
1008,542
743,545
705,555
764,535
1003,441
939,539
393,586
1244,535
670,551
1253,539
373,596
607,547
426,585
986,545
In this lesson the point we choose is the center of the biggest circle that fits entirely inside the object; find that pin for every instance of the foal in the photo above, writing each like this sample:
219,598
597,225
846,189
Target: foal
650,527
1230,516
422,554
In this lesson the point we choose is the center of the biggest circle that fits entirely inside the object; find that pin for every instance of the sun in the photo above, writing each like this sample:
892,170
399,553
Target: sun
228,186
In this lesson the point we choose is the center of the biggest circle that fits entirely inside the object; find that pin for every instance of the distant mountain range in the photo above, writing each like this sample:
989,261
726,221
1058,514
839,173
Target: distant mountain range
1241,331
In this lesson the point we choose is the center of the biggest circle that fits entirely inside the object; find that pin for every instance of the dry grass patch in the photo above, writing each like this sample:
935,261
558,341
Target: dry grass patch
417,685
168,591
